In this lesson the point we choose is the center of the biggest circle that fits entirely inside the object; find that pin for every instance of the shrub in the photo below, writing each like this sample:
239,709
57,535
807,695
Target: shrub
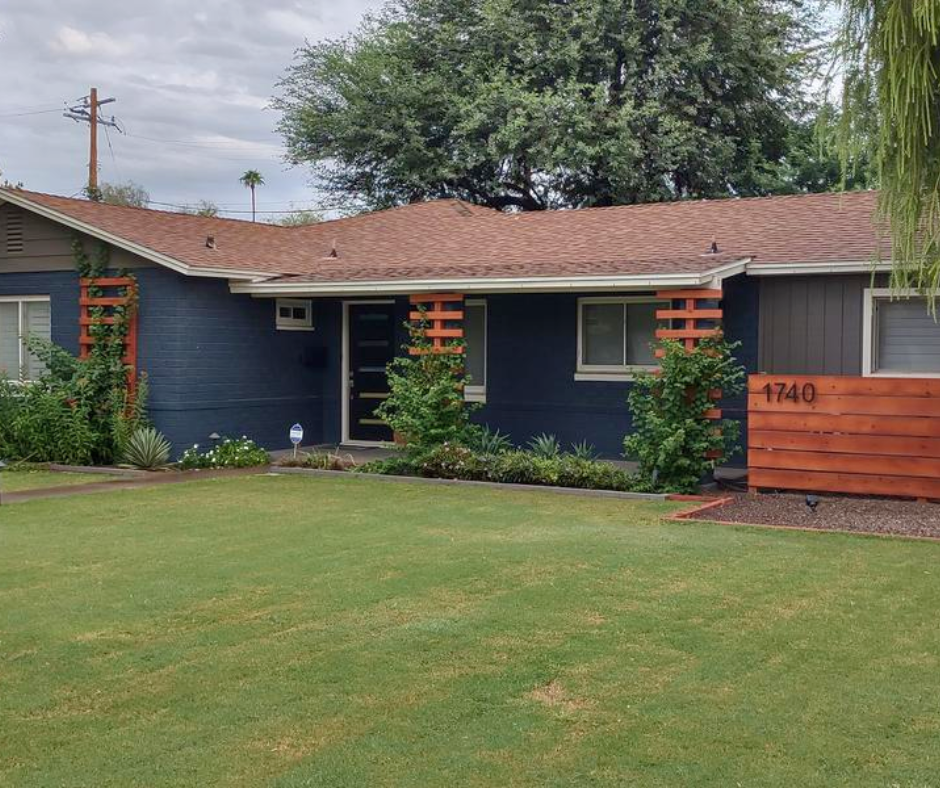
40,424
401,464
545,445
426,404
230,453
318,460
674,443
147,449
452,461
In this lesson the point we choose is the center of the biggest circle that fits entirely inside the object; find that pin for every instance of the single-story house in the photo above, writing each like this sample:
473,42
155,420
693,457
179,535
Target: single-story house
248,328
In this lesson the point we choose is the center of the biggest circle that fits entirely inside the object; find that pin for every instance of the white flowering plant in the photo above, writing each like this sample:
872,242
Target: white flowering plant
229,453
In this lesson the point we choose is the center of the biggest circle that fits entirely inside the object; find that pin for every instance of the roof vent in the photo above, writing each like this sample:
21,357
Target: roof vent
334,252
713,249
210,242
14,232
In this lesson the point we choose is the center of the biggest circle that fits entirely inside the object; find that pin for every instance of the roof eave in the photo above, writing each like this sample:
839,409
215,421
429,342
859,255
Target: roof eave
10,196
538,284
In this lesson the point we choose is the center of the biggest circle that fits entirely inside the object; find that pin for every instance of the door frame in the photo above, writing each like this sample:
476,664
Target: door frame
344,379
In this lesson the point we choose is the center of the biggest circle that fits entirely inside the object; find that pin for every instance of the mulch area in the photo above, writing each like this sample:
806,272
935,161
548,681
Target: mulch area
833,513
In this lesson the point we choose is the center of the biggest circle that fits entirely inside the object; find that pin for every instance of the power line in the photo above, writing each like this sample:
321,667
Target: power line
35,112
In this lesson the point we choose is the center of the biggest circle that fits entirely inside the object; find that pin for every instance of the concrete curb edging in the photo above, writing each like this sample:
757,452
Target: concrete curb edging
102,470
628,496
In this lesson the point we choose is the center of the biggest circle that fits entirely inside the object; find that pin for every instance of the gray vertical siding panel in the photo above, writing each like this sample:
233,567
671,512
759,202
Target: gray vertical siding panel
812,325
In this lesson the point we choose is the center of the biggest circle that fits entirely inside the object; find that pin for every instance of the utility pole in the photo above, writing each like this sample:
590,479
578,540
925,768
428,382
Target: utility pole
88,110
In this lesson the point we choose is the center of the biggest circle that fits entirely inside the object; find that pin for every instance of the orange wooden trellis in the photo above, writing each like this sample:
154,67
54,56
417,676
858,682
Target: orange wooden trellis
444,313
86,319
694,310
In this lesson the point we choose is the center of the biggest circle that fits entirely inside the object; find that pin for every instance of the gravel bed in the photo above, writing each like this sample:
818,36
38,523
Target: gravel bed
833,513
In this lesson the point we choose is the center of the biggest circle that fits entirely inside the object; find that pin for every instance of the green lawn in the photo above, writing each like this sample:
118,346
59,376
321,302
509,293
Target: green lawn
294,631
19,480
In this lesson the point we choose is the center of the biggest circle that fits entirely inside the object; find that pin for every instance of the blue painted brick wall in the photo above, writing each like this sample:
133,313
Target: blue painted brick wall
217,363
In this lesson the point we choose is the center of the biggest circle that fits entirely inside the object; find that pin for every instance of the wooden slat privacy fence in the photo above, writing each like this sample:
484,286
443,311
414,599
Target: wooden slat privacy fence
877,436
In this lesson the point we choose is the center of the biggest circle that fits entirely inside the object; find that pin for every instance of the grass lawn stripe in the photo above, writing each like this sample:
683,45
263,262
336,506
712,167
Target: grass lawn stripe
293,631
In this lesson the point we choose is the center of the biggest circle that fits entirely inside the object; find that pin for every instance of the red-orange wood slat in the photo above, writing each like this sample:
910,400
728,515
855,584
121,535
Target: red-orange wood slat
444,333
853,484
838,405
889,445
96,321
107,281
435,315
825,423
689,314
873,464
115,301
828,385
686,333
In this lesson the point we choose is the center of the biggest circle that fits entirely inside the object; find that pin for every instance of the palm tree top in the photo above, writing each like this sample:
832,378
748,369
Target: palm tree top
252,178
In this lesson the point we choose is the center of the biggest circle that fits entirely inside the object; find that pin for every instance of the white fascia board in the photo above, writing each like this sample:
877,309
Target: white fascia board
539,284
795,269
122,243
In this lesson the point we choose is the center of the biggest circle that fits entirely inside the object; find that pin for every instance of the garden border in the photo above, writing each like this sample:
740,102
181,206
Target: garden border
628,496
689,516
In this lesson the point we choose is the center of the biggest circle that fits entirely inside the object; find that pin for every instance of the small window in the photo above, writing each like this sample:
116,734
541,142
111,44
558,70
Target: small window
901,336
294,315
616,336
14,231
474,334
21,318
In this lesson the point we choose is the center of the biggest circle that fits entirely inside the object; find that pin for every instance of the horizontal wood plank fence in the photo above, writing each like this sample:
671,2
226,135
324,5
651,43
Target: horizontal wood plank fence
877,436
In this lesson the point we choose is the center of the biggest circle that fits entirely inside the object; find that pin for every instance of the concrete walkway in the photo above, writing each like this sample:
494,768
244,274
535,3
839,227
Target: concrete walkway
150,480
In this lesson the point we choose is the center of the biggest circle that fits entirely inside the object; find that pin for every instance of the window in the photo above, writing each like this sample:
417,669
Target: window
474,334
20,318
616,336
294,314
900,336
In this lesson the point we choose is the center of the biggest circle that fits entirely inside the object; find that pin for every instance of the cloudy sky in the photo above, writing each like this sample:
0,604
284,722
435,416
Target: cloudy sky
192,82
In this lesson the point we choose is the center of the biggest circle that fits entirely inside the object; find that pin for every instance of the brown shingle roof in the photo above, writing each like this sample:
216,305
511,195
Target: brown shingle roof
449,239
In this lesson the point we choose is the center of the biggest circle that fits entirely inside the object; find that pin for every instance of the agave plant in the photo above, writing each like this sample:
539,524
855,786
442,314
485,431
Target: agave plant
545,446
583,451
147,449
486,441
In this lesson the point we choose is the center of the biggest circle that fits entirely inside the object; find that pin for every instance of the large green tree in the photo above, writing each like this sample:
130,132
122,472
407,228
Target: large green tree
888,53
534,104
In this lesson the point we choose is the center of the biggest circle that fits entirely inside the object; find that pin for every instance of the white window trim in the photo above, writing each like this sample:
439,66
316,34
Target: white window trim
613,372
474,393
290,323
870,333
21,328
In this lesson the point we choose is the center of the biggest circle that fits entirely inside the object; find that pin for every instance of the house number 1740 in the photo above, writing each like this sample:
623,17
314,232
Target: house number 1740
781,392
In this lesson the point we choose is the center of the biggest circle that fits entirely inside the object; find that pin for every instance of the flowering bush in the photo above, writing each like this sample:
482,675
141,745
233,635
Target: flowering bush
230,453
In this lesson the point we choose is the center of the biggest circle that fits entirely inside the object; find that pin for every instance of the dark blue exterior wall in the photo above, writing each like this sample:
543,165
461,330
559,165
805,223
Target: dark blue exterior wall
217,363
742,323
532,358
